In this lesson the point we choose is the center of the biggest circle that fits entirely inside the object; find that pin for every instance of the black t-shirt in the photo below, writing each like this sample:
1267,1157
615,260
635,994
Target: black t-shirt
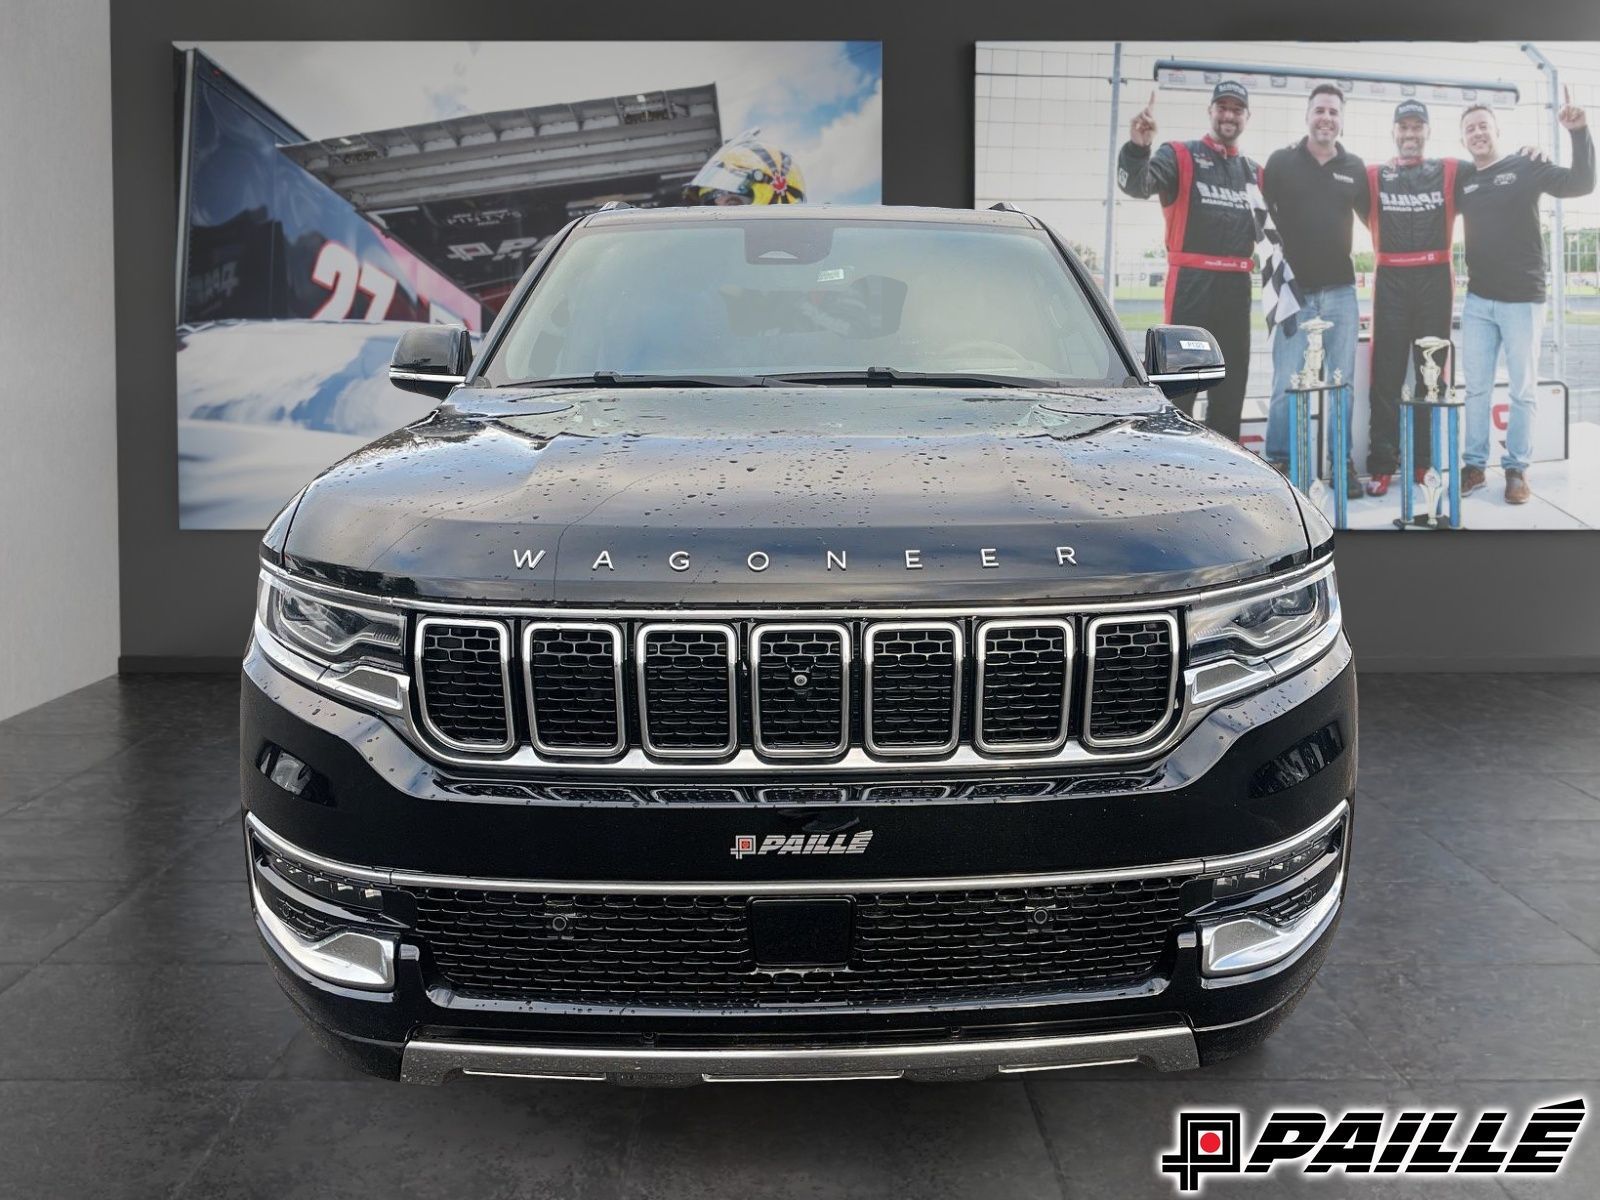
1500,208
1314,206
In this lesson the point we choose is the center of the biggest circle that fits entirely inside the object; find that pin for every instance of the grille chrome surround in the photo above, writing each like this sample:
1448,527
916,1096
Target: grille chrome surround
871,686
1091,641
758,637
601,629
419,656
980,736
643,668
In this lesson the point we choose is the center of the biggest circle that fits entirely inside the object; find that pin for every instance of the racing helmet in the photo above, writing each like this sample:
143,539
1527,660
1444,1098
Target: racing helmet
747,170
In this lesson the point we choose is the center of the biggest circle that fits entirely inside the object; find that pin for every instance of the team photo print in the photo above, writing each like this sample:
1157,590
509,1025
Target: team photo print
1394,245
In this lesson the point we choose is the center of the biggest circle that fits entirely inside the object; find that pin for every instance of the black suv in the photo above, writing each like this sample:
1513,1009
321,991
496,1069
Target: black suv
804,643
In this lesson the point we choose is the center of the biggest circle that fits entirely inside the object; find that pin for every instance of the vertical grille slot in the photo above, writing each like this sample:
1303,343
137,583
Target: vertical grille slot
574,685
1024,685
687,690
1133,674
913,702
800,689
464,682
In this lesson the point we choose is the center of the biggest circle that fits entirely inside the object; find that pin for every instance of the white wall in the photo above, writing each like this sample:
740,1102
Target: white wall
59,625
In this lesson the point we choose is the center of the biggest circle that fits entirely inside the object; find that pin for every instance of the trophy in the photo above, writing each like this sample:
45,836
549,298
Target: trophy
1432,486
1310,374
1432,369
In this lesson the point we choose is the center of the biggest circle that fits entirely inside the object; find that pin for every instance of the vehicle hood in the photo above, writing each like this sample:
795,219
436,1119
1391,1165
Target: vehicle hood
802,495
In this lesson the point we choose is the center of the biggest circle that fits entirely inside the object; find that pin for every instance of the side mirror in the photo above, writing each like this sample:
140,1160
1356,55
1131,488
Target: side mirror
1180,359
431,361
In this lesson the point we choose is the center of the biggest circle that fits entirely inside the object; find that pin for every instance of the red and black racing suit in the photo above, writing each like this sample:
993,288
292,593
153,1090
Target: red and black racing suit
1412,222
1211,235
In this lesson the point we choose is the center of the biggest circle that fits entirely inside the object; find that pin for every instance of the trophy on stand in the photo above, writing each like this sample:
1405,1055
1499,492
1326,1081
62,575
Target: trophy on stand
1443,415
1303,459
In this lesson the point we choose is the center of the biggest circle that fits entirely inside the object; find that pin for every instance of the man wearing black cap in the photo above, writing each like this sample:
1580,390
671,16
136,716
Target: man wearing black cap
1211,233
1413,224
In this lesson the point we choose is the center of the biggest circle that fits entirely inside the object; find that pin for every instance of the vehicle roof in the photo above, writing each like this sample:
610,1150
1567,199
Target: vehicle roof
801,212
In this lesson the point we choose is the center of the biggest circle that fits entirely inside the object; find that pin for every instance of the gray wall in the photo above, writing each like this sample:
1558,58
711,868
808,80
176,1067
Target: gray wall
58,476
1446,602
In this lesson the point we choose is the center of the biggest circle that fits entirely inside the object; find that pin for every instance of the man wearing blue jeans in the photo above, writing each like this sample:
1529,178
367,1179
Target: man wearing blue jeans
1499,203
1315,189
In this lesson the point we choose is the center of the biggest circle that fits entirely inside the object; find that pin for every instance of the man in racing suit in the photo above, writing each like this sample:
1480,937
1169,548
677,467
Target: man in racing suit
1413,223
1211,233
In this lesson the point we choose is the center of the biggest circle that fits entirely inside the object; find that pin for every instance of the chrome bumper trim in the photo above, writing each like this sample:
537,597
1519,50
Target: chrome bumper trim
752,887
1243,944
354,960
1167,1048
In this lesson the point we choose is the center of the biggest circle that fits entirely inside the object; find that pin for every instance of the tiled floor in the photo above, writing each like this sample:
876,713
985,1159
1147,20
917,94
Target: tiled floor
145,1051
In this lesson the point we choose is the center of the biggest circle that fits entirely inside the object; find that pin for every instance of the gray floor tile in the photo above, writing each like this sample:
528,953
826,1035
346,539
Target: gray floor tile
142,1140
306,1059
127,848
132,1022
1475,1022
1108,1138
484,1139
1477,796
1534,850
9,975
217,856
840,1139
159,776
1466,921
1587,782
31,762
37,918
1388,850
171,920
1581,1168
1575,907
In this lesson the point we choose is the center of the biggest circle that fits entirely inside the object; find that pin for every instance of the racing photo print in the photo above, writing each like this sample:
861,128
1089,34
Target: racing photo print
333,195
1395,246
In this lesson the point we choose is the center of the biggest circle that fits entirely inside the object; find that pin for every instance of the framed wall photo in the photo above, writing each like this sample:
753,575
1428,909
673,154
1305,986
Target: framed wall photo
333,195
1396,244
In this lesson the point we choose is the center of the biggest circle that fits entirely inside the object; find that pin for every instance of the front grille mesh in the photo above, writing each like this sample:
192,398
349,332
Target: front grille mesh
685,684
695,950
572,682
1024,684
464,682
1131,691
896,689
913,687
800,684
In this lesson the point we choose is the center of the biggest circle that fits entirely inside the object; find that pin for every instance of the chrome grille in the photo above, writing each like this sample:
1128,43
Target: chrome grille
1133,675
913,686
574,681
665,951
464,682
1024,681
687,690
800,689
820,691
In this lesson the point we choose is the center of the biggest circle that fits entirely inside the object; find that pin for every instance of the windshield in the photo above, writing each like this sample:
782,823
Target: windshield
804,297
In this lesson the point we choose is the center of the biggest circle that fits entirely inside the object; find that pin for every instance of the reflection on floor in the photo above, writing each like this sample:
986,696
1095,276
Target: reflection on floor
145,1051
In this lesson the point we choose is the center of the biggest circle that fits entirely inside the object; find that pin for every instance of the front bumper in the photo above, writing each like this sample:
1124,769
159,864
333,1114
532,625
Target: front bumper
1197,813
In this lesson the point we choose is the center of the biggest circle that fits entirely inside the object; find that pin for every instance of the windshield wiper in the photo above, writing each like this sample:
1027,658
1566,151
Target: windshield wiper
613,379
891,375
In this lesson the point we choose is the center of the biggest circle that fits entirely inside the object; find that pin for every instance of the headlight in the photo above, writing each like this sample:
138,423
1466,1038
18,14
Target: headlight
1244,642
354,650
1263,624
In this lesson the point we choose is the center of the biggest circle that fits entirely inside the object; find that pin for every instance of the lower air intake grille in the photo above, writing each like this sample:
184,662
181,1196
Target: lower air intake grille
464,683
913,688
575,688
695,951
686,687
1023,686
1131,678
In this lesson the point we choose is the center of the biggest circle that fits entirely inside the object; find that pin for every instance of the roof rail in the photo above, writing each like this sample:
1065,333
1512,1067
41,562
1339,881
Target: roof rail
613,206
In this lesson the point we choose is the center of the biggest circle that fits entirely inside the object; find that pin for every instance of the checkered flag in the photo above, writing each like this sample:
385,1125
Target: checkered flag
1280,294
